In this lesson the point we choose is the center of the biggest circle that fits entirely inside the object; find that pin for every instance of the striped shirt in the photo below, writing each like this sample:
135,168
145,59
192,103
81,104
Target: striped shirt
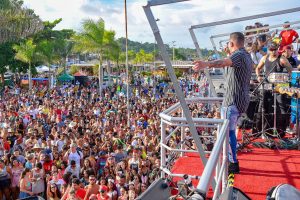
237,79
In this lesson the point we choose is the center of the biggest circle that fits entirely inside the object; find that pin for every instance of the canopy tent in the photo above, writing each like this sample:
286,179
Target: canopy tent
65,77
42,69
79,74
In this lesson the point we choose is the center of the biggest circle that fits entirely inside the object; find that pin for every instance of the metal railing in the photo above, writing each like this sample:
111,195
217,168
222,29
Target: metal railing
217,161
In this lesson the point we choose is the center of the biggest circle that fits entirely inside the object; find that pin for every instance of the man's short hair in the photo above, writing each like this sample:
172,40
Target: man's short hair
238,37
76,181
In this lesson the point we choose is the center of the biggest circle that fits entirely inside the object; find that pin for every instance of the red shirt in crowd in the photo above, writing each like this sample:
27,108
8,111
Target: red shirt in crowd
47,166
80,193
287,37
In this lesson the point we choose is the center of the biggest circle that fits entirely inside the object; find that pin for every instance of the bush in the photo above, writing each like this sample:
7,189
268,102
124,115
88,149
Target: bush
145,73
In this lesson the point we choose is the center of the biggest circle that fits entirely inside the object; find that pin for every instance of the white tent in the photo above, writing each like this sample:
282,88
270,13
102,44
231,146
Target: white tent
42,69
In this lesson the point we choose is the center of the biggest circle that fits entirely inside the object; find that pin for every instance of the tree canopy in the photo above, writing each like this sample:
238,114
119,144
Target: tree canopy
16,21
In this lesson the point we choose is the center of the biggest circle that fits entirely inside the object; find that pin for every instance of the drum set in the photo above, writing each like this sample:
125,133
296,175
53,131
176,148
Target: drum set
280,83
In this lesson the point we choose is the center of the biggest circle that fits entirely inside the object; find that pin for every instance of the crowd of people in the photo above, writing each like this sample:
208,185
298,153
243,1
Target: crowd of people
71,143
258,42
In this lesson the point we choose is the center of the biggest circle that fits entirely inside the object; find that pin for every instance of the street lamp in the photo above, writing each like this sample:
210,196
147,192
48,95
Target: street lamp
154,49
173,42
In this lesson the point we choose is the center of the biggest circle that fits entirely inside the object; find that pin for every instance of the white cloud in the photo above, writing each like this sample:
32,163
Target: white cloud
175,19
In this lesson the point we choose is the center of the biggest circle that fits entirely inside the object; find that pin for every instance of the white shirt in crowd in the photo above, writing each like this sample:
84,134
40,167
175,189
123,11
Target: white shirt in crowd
75,156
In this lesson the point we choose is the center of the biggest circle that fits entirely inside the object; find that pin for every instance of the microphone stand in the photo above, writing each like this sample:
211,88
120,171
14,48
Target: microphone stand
263,97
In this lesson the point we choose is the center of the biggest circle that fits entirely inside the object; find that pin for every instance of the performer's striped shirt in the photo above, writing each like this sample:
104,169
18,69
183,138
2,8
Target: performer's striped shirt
238,80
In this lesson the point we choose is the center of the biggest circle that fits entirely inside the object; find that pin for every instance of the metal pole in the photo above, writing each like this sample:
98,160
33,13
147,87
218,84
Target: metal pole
173,42
206,72
162,2
29,78
228,21
162,148
257,29
281,29
174,80
225,159
127,69
214,45
207,174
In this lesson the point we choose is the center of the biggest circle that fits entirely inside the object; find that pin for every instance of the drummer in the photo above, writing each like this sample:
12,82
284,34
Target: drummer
280,65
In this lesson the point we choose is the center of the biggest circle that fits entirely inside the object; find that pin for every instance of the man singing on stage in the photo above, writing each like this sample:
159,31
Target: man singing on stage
238,68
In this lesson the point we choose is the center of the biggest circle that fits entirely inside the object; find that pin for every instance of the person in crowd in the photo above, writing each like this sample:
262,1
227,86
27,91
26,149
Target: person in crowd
73,168
53,192
16,171
238,76
75,191
5,180
26,184
288,54
287,36
92,187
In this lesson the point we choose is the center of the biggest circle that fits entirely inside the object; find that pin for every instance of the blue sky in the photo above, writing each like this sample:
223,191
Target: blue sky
175,19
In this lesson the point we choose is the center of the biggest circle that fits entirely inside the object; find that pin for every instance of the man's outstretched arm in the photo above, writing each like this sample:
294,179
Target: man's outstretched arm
216,63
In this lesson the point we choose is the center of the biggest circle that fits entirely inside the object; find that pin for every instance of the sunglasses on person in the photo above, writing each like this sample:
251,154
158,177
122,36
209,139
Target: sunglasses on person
92,179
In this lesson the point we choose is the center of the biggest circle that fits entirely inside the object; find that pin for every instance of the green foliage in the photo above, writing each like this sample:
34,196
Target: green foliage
16,21
91,38
143,57
60,70
6,56
178,73
96,70
74,69
26,51
145,73
180,53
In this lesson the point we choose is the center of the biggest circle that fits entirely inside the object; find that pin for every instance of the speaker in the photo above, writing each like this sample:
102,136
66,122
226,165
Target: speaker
158,190
233,193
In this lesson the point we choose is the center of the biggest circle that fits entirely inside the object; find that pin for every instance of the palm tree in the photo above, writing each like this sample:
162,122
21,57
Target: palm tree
111,50
64,49
26,52
94,38
46,48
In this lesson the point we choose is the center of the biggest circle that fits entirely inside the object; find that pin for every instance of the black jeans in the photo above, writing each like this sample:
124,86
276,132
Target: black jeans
283,103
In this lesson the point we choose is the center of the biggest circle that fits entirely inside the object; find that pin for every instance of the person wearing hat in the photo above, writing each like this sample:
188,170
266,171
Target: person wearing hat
103,193
274,63
287,53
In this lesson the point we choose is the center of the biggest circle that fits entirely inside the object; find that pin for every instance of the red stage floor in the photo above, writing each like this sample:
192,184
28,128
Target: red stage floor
260,170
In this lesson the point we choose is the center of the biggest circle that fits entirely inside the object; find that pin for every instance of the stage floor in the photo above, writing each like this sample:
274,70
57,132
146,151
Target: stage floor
260,169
